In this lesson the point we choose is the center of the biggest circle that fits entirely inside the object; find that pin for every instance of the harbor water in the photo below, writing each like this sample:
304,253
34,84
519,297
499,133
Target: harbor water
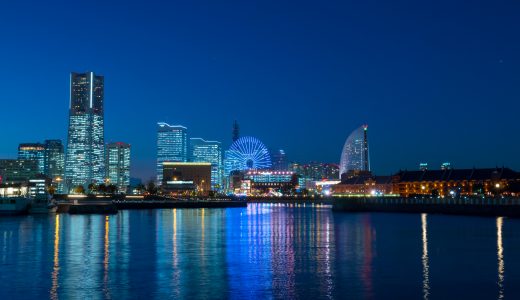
264,251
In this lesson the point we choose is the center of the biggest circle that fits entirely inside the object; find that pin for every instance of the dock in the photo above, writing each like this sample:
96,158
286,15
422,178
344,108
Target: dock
472,206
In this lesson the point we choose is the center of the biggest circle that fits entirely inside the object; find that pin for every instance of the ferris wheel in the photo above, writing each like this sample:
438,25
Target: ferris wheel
248,153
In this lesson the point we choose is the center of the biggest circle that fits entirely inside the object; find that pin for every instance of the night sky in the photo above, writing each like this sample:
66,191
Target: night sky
435,80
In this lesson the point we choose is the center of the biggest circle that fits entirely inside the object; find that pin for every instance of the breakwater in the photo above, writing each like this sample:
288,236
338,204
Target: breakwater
478,206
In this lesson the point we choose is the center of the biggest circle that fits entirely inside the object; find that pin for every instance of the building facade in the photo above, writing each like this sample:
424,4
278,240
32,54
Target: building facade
85,156
436,183
18,171
279,160
355,154
455,182
367,185
33,151
186,178
211,152
172,146
54,162
269,182
118,165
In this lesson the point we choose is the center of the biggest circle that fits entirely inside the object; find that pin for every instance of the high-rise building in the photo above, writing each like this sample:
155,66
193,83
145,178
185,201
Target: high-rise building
33,151
85,156
279,160
236,131
118,165
211,152
172,146
355,157
54,161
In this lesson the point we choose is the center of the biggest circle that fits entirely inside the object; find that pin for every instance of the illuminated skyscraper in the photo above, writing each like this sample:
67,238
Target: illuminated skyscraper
85,157
54,160
208,151
33,151
279,160
355,157
118,165
172,146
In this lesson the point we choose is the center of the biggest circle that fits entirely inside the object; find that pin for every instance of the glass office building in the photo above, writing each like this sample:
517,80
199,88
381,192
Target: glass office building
85,156
54,161
33,151
211,152
118,165
354,156
172,146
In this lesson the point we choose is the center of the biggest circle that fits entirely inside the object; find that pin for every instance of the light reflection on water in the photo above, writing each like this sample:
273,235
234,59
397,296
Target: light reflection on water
262,251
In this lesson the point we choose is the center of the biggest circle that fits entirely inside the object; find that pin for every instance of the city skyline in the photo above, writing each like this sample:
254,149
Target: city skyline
421,101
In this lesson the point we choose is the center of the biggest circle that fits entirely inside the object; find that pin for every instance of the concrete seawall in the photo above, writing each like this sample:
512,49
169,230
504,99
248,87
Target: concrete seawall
506,207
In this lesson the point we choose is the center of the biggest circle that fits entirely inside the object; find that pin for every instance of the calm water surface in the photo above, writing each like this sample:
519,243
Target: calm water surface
264,251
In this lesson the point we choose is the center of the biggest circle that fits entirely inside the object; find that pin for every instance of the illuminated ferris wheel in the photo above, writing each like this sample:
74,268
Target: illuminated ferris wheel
247,153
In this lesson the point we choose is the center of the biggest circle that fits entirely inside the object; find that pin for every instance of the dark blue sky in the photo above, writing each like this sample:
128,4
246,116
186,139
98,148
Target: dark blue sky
435,80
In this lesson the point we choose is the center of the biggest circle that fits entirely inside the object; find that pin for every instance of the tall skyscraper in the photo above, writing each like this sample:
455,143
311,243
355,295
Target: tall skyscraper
118,165
355,157
211,152
172,146
85,157
54,161
279,160
33,151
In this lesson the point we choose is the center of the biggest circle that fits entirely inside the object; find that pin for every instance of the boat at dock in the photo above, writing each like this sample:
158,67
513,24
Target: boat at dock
42,204
14,205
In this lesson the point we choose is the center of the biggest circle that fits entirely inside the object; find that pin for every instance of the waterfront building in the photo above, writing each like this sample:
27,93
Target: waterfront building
118,165
423,166
315,171
85,156
33,151
355,155
260,182
18,171
445,166
38,187
455,182
279,160
211,152
186,178
172,146
54,161
246,153
365,185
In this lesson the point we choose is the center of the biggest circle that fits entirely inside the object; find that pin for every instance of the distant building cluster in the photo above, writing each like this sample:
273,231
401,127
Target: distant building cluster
87,163
188,165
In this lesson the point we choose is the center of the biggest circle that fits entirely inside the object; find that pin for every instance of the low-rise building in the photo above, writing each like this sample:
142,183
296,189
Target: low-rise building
184,178
367,185
13,171
457,182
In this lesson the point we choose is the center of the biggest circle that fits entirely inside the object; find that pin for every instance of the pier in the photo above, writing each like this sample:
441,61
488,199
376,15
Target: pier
476,206
112,206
